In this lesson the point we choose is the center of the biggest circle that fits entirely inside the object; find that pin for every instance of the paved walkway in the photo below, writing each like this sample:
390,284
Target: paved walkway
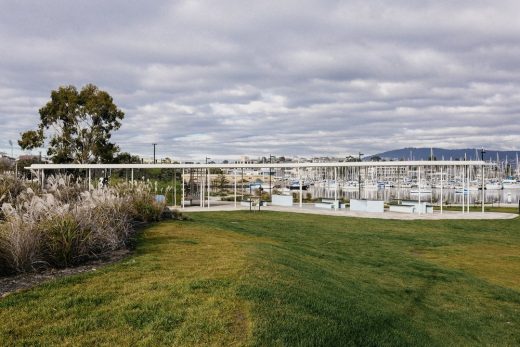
310,209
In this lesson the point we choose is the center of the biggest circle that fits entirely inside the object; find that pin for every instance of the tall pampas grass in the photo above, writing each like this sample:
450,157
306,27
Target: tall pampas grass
63,225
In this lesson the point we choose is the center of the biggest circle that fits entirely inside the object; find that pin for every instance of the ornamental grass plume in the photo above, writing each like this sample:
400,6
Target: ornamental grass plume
63,225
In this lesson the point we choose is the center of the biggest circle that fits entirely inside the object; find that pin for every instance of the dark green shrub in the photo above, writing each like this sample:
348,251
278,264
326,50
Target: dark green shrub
147,210
66,243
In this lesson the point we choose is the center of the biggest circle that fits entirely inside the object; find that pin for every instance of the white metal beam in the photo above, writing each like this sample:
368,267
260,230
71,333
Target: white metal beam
260,165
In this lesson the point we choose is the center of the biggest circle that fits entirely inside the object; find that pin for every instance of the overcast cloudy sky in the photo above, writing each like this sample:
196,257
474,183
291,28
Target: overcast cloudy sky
226,78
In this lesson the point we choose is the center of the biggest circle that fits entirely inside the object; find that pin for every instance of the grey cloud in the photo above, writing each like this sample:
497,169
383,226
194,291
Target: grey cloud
295,77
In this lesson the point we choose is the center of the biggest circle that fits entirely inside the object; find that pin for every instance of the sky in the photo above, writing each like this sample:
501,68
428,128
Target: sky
296,78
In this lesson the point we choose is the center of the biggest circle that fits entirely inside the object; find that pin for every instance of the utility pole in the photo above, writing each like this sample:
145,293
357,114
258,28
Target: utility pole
154,161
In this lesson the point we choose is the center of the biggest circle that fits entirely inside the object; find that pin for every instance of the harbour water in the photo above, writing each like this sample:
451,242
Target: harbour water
450,196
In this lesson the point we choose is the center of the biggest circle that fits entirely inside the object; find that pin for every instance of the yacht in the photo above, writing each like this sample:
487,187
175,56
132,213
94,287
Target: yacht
388,184
350,185
295,185
510,183
370,185
460,190
331,185
493,185
422,188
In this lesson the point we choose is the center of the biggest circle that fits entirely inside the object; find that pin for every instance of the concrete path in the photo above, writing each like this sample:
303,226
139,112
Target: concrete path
310,209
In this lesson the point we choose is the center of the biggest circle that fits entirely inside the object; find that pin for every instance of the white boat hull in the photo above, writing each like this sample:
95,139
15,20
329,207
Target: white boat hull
422,191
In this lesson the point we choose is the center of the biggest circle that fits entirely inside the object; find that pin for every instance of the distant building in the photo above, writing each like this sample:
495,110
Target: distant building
28,157
5,159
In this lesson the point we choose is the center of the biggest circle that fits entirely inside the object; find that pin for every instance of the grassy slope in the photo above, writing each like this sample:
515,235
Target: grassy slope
288,279
176,289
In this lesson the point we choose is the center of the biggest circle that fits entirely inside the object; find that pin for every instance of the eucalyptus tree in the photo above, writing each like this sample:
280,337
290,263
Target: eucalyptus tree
76,126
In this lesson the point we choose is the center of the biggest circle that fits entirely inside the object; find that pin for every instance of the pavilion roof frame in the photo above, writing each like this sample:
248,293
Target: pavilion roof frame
262,165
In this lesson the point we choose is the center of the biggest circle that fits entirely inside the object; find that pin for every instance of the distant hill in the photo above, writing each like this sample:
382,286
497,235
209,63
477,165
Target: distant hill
440,153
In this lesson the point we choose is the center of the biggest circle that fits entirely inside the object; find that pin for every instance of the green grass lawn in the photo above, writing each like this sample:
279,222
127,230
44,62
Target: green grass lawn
240,278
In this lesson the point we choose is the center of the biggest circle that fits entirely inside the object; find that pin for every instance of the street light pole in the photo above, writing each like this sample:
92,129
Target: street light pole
154,144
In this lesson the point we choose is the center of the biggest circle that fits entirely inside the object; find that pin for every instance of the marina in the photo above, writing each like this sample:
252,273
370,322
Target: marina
333,185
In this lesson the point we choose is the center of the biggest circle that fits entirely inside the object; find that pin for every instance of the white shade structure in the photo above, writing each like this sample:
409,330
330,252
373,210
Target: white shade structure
441,165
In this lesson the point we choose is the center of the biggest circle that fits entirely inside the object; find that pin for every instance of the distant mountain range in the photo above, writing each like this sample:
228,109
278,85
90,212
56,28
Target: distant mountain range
447,154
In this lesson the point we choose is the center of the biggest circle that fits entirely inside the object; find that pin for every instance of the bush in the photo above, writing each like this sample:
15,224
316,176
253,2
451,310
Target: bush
145,208
65,241
20,248
10,188
63,225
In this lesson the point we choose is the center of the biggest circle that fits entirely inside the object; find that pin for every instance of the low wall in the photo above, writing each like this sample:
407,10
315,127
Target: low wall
323,205
401,208
282,200
367,205
423,207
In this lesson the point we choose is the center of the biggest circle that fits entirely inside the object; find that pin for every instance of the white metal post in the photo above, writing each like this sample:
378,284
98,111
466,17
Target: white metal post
468,171
174,187
201,193
398,183
419,185
89,180
336,188
463,182
442,184
482,174
131,177
183,198
301,188
209,185
235,186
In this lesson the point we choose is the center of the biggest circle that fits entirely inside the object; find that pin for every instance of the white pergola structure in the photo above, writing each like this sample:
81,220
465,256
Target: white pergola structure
442,165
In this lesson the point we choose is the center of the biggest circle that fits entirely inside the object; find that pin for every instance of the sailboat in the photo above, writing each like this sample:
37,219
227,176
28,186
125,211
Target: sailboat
421,188
510,183
493,185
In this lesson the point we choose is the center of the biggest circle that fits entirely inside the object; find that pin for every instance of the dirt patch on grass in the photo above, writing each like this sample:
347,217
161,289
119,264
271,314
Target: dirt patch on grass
20,282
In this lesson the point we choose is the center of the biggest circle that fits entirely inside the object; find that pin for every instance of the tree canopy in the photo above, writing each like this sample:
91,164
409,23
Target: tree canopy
76,126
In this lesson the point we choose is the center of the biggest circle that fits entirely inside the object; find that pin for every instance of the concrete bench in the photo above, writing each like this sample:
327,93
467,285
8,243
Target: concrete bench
402,208
323,205
282,200
377,206
412,207
327,203
246,203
